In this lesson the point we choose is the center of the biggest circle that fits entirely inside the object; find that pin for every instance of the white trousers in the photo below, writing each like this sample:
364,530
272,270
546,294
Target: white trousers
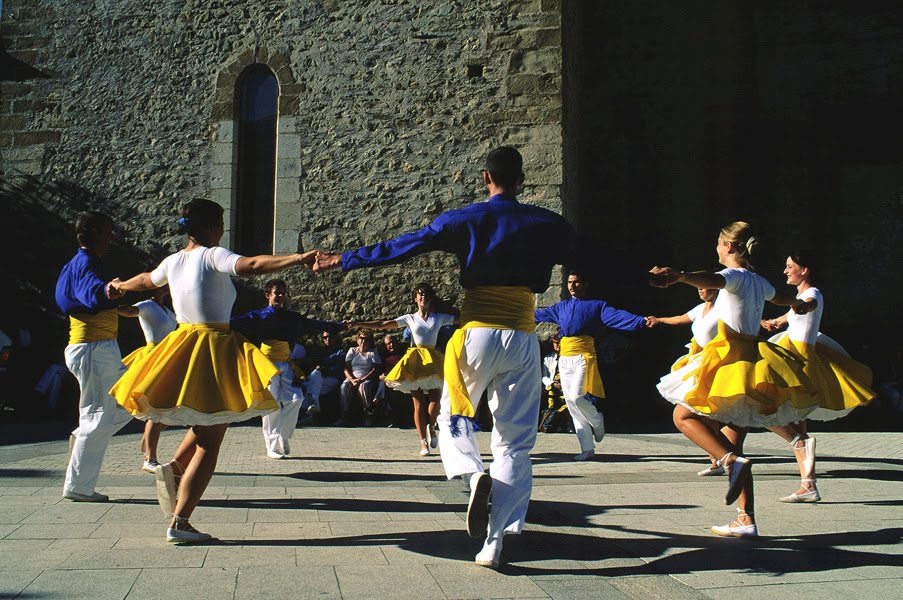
97,366
505,364
278,426
573,387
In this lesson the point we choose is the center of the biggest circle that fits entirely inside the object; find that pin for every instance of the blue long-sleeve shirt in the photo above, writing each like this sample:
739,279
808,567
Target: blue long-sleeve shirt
283,324
499,243
81,287
588,317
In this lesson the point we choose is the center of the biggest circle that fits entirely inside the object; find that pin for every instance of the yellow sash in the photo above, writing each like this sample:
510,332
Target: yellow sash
583,345
93,328
276,350
493,307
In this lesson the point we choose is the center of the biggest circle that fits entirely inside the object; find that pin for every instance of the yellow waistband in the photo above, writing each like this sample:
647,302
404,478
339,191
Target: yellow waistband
220,327
424,346
498,307
276,350
93,328
577,345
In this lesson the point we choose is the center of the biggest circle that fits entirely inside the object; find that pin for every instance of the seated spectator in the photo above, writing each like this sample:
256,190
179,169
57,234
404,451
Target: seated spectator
326,365
394,402
363,366
554,416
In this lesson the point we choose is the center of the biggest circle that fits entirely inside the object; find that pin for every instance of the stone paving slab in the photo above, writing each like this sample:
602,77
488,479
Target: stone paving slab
355,513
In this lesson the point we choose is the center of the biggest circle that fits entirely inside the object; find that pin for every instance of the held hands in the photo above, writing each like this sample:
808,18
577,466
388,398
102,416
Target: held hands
307,259
770,325
652,321
112,290
325,261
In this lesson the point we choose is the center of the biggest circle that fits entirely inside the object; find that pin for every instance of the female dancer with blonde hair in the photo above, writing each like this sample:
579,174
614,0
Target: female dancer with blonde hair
420,371
842,383
202,374
735,379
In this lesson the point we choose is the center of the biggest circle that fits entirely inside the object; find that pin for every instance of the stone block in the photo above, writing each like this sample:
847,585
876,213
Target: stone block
288,168
288,145
287,190
285,241
225,131
221,176
12,123
545,60
223,153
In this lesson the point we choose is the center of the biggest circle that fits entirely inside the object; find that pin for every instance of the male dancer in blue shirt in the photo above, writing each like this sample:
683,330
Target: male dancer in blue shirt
581,321
506,251
273,329
93,356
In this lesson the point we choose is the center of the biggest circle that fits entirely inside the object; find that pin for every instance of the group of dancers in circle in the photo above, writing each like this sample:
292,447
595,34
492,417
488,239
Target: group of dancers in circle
204,369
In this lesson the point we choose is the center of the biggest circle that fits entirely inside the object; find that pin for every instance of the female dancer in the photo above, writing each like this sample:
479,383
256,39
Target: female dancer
419,372
841,382
703,323
201,375
735,379
157,321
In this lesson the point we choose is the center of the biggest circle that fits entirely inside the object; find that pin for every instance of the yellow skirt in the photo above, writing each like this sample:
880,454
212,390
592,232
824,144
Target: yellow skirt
738,379
198,375
842,383
138,354
421,368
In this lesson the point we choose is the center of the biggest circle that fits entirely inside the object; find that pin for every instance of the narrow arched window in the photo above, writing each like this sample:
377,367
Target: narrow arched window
257,93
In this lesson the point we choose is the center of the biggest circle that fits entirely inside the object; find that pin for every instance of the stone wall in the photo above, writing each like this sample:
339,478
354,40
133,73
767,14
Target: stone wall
387,108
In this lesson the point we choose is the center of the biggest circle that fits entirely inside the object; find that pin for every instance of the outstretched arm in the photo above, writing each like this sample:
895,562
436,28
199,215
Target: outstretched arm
666,276
393,324
678,320
267,263
799,306
775,324
139,283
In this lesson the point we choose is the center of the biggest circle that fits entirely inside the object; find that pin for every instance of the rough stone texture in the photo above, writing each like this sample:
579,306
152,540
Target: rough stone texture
387,109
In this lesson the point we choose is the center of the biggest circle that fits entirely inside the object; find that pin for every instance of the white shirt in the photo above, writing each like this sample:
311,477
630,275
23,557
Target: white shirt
425,332
156,321
741,301
704,326
804,328
362,362
199,282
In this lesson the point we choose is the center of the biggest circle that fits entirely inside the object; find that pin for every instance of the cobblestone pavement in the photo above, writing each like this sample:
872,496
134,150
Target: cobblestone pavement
356,513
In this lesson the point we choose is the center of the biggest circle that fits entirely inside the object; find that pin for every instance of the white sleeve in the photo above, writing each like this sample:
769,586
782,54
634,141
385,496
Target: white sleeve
811,294
349,356
402,321
445,319
695,312
732,278
221,260
160,275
